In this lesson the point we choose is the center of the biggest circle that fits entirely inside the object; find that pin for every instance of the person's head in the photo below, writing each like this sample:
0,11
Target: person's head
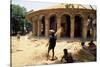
91,43
52,32
65,51
82,43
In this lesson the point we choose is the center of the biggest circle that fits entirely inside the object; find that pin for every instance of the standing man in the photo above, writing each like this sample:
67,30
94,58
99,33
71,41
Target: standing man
51,43
90,26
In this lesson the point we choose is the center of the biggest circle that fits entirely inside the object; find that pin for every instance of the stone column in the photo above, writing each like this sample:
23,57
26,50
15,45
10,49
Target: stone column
33,27
58,26
94,35
36,27
47,27
72,26
94,29
84,28
39,27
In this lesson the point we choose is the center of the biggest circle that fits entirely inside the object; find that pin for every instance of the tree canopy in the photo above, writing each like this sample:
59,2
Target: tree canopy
18,20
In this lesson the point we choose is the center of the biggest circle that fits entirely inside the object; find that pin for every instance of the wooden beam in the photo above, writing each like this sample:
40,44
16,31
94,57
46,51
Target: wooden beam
91,7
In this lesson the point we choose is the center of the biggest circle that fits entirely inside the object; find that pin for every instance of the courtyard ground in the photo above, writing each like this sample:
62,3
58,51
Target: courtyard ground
28,52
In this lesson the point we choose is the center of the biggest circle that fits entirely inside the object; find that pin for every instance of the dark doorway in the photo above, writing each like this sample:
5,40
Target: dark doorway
78,27
53,23
88,34
65,23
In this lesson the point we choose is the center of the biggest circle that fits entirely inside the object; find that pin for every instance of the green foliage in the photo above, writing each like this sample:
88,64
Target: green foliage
18,11
18,20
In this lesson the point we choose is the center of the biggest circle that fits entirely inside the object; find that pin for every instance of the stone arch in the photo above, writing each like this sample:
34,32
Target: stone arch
65,24
53,22
42,24
78,26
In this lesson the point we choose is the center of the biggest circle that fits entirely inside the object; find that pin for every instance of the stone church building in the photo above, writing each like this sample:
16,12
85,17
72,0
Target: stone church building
73,21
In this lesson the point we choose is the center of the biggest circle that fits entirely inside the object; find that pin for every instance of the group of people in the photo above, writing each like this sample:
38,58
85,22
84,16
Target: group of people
67,57
91,48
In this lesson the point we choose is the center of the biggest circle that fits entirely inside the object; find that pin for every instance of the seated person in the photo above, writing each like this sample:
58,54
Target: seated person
92,48
67,58
83,45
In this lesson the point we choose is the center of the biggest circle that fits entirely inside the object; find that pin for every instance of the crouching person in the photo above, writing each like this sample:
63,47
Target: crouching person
67,57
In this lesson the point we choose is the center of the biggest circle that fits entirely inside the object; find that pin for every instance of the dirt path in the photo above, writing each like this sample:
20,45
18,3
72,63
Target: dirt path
33,52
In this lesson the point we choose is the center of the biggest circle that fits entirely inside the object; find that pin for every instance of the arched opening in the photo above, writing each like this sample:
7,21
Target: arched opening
78,27
65,23
53,22
42,26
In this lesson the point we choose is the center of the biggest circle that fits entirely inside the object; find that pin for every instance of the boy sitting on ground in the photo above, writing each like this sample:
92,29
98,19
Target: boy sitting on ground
67,58
83,45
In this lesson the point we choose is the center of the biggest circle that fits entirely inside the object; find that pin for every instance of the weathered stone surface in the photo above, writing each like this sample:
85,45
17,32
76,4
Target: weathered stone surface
56,17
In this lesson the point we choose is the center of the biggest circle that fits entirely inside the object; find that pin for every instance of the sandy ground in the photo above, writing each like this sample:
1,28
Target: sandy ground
28,52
